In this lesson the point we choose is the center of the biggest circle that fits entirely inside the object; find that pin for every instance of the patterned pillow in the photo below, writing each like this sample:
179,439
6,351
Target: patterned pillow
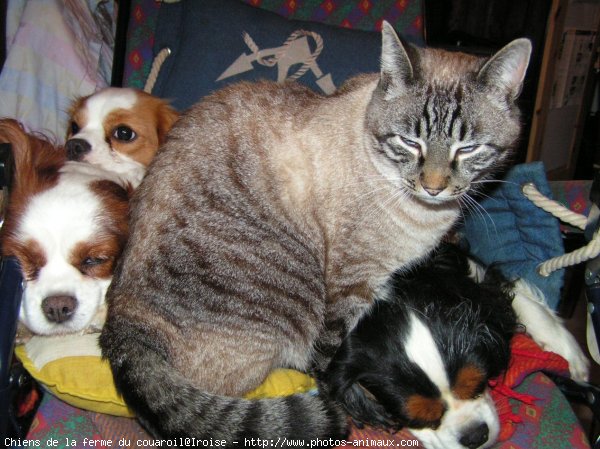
216,42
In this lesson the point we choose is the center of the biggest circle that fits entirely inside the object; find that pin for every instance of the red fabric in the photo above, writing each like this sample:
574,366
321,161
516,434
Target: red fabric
526,358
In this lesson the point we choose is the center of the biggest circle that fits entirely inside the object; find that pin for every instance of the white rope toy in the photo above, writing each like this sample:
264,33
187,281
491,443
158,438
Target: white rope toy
583,254
157,63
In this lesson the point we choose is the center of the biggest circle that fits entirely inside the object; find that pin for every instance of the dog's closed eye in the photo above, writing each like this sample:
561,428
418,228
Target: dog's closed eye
96,259
93,261
370,396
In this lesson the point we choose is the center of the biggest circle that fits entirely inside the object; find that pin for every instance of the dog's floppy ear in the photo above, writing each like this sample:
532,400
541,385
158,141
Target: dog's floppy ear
11,131
37,160
167,116
363,407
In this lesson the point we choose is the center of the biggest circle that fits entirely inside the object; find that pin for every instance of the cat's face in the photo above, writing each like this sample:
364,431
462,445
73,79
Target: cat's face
440,122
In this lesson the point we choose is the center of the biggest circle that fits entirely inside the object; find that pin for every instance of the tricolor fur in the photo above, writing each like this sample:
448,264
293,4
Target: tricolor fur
423,356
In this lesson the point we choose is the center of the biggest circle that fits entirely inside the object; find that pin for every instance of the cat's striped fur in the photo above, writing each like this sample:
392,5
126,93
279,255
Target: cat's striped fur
272,215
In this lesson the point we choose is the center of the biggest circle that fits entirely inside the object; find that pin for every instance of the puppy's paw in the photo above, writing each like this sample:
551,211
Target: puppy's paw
579,364
547,329
564,344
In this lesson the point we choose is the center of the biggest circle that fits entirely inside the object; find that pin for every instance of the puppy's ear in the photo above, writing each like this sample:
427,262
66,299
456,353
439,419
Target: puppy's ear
11,131
363,406
37,160
167,116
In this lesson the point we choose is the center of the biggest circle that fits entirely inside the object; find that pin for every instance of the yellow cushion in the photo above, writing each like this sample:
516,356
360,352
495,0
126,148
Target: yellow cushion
282,382
72,369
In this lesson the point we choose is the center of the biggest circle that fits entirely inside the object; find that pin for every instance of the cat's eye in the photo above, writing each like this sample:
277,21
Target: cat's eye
124,133
468,149
410,143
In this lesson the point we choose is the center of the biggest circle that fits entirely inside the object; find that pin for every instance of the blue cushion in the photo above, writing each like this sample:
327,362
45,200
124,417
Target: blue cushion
206,38
513,233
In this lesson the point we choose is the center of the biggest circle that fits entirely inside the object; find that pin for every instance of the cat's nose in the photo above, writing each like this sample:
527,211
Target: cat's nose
434,182
432,191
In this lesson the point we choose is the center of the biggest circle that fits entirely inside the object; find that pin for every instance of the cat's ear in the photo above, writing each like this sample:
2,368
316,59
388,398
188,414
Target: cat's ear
506,69
396,67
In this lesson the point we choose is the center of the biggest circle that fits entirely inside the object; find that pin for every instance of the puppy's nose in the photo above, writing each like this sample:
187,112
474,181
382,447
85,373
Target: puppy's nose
476,436
77,148
59,309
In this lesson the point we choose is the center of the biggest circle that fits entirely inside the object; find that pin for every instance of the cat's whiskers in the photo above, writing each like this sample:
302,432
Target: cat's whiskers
478,191
463,217
379,205
481,194
356,199
473,205
487,181
359,182
394,199
400,196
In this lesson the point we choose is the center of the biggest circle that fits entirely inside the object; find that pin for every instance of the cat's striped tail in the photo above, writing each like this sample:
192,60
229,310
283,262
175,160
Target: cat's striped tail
173,409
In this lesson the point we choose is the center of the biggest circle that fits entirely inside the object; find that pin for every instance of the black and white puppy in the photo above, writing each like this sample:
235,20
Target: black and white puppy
423,356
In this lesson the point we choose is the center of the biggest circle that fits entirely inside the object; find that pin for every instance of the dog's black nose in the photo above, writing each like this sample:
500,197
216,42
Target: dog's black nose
60,308
77,148
475,436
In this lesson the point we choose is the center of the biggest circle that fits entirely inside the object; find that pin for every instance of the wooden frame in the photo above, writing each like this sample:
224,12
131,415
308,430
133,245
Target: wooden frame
539,125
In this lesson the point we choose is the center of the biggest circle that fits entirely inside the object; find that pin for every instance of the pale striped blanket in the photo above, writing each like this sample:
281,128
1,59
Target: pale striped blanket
57,50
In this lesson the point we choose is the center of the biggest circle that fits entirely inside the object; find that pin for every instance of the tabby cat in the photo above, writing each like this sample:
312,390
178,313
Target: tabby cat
272,215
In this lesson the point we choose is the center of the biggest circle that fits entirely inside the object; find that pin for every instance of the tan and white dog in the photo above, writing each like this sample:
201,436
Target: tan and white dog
118,129
66,223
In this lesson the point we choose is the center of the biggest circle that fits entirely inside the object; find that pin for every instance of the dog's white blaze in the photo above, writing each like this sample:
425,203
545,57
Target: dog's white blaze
97,109
422,350
107,101
61,217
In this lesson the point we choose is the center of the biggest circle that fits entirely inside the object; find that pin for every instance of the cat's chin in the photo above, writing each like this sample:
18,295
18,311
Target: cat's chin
429,200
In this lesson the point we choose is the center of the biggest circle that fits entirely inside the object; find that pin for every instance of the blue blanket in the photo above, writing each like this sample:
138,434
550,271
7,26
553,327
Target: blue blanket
515,234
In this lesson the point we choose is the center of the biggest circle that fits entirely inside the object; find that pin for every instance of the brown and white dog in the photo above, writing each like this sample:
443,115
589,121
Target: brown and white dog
118,129
66,223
